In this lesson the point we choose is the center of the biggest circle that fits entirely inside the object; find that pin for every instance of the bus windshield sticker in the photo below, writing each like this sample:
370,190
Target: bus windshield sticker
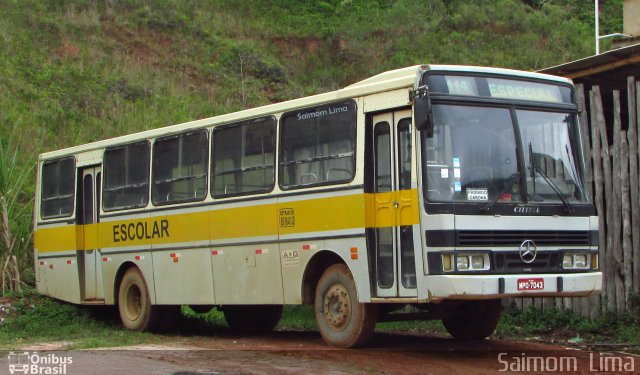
477,195
444,173
457,186
456,172
456,162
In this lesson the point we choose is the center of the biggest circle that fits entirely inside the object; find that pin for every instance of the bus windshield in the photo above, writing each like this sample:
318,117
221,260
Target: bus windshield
483,154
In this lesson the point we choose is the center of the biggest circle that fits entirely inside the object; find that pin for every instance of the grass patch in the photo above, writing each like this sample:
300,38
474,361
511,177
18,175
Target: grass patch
564,325
298,318
35,319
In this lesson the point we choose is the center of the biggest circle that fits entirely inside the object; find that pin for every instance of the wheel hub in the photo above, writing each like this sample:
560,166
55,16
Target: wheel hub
337,306
133,302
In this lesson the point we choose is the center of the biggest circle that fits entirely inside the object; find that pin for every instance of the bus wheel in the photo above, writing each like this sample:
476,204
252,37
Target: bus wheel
473,320
252,318
136,311
342,320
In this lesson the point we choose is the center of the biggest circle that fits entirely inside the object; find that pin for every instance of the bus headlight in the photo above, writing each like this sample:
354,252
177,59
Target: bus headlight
462,262
578,261
477,262
472,262
465,262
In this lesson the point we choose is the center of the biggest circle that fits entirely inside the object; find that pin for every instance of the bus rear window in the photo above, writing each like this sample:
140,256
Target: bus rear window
126,176
58,178
318,145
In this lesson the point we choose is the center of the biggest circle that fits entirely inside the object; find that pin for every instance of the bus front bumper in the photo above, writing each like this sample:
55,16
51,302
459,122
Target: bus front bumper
440,287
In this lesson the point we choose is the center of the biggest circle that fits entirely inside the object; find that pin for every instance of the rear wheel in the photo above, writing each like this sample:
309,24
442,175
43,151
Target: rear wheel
252,318
134,305
342,320
473,320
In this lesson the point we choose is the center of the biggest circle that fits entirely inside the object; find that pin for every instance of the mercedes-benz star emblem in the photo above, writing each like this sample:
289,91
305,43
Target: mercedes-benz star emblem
528,251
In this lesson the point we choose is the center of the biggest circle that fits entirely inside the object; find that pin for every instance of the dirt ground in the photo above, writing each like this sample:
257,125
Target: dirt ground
305,353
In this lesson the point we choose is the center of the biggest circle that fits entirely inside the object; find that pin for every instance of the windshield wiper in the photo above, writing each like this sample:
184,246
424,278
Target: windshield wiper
534,168
507,185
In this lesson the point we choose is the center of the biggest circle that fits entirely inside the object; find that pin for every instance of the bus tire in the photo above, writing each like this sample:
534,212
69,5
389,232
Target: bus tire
135,308
252,319
473,320
342,321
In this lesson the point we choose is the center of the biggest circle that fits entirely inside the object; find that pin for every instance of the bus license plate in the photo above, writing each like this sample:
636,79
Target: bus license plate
531,284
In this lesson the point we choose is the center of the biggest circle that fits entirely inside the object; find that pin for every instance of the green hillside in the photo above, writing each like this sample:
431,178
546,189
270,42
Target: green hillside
76,71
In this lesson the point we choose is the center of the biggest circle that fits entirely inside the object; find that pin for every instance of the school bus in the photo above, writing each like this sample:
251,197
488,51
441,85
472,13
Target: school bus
445,188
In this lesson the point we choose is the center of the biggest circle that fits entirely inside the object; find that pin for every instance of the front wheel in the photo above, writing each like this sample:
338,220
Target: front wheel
342,320
473,320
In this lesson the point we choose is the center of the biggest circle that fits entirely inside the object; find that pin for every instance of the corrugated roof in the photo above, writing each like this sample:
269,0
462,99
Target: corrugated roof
611,67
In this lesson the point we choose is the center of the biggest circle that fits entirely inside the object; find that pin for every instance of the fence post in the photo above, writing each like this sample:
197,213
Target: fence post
606,214
634,151
598,194
626,220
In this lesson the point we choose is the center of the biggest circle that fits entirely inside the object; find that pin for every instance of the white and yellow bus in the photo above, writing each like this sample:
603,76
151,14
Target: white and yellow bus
442,187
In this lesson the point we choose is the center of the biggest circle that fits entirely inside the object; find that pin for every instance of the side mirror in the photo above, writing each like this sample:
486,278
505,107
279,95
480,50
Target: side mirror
422,110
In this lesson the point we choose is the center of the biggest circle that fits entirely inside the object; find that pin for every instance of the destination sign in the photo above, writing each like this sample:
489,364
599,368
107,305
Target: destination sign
500,88
508,89
462,85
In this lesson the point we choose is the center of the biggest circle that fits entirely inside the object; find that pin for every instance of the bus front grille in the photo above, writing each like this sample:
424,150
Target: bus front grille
516,237
510,262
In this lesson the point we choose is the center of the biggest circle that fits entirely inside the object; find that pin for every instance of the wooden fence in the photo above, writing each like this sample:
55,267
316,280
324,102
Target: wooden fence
614,185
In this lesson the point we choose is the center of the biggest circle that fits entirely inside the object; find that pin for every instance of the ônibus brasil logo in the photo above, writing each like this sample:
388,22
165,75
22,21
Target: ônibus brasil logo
34,363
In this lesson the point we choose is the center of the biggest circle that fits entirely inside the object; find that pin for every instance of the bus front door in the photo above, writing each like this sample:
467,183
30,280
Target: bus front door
91,287
395,205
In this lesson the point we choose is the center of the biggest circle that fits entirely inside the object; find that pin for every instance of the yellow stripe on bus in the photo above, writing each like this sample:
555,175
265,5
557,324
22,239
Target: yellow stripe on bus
325,214
62,238
240,222
395,208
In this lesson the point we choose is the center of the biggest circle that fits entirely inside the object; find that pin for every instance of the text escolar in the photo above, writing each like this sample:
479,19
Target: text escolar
141,231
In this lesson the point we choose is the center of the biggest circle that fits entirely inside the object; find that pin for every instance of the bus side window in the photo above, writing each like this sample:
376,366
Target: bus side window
243,158
180,168
58,180
126,176
318,145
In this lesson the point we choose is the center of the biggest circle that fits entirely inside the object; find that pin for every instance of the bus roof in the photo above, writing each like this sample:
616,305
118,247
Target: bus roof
390,80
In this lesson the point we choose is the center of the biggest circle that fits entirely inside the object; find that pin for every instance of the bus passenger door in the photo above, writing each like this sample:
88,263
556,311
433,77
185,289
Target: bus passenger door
394,205
91,288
